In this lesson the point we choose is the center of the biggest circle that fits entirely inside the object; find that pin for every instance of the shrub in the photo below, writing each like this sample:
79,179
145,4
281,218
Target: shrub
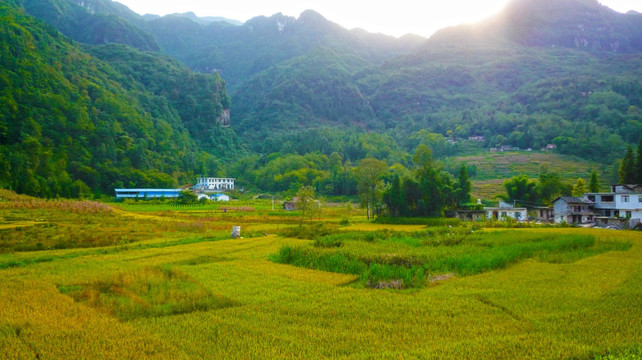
310,232
328,241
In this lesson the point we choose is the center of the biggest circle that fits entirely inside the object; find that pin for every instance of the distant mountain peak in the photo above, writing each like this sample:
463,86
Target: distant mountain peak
580,24
311,15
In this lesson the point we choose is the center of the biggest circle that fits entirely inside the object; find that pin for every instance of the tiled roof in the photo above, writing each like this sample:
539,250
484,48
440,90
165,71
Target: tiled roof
575,200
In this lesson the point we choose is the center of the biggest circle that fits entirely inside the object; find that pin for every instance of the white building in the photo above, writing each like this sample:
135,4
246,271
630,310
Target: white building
214,184
214,197
505,211
624,201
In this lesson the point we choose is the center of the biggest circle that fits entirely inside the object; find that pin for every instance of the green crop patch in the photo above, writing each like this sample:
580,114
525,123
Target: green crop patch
148,292
199,260
407,259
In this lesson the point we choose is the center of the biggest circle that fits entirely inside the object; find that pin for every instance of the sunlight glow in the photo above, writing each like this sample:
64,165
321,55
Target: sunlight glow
395,18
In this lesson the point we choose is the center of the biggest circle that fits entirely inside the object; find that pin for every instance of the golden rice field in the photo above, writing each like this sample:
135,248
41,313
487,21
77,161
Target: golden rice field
180,289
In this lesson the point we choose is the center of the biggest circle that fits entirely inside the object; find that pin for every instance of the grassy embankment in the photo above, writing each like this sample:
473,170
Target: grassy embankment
181,289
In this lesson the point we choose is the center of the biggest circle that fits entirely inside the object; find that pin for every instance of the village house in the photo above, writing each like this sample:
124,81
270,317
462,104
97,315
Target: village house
573,210
214,184
505,211
624,201
214,197
545,214
467,215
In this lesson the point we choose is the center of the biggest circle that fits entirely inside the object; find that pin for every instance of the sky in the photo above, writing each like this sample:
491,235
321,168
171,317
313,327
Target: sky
396,17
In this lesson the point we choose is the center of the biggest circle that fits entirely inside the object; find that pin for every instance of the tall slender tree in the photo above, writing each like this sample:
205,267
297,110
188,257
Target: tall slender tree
463,186
307,202
396,198
627,168
368,173
638,164
594,184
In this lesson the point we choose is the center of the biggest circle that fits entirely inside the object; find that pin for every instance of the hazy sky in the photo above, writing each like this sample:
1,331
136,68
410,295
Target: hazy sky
396,17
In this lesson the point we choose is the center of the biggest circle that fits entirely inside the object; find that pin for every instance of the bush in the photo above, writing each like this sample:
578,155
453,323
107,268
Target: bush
328,241
310,232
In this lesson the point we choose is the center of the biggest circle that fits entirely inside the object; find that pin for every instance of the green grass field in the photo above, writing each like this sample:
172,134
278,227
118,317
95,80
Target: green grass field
179,288
494,168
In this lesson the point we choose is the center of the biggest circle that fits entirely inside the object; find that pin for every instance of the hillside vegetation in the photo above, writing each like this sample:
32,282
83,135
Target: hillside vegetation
71,125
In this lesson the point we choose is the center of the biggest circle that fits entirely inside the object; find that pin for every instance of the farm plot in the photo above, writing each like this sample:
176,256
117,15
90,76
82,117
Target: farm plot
190,292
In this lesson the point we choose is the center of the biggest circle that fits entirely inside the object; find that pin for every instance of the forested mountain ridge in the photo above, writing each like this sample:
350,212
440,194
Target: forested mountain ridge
95,22
71,125
199,99
239,52
566,72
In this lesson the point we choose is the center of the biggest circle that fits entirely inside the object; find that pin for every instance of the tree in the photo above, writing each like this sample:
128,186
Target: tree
395,197
627,168
550,186
521,188
594,184
638,164
463,186
188,197
368,173
306,201
435,192
579,188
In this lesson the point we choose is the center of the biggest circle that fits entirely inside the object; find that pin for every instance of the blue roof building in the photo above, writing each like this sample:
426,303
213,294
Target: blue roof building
147,193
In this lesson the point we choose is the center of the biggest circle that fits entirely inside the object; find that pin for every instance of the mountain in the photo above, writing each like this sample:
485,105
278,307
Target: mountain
200,100
577,24
238,52
565,72
72,125
95,22
203,20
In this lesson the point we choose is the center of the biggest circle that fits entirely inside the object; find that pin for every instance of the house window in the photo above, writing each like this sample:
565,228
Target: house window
628,214
625,198
591,198
607,198
504,214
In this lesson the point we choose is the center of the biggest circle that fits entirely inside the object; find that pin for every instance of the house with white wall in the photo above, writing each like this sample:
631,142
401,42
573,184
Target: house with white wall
214,184
214,197
624,201
505,211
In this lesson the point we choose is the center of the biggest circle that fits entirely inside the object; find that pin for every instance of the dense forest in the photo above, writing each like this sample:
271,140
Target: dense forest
72,125
95,96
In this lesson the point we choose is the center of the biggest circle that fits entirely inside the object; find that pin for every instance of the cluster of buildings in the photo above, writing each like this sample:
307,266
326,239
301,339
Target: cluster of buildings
619,208
205,188
503,148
